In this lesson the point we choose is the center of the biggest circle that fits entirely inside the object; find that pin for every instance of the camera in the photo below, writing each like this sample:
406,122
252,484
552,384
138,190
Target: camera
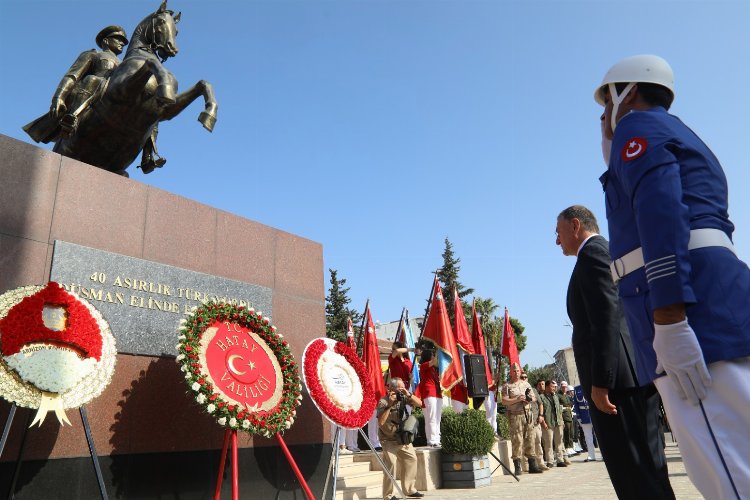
400,397
528,394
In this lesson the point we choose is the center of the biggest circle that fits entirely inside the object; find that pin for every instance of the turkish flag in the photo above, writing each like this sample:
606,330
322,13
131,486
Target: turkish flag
463,338
477,338
509,348
371,357
438,331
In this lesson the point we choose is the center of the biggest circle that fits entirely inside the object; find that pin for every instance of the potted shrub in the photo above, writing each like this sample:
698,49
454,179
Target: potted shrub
466,439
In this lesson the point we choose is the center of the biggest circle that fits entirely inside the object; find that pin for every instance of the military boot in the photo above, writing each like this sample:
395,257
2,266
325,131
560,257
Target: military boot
517,465
533,466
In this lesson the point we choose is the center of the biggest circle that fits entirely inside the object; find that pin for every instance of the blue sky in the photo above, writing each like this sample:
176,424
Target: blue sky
378,128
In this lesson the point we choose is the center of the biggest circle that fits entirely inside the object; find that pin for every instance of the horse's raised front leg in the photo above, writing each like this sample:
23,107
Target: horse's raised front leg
183,100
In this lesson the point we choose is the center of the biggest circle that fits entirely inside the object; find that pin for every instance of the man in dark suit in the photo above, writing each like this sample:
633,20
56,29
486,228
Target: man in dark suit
625,416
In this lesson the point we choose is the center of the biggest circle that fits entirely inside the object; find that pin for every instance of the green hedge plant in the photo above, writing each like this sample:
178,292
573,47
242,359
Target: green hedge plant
466,433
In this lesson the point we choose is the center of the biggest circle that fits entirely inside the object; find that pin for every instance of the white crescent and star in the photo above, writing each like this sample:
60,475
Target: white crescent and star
632,150
233,369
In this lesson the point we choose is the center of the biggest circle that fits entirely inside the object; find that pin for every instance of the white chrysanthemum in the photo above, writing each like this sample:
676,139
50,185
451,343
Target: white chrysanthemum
201,398
180,357
178,346
210,408
232,422
181,337
183,321
222,421
51,368
196,386
187,375
245,424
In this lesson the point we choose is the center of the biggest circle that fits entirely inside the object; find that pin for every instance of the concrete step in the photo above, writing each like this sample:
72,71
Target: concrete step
370,478
353,468
359,492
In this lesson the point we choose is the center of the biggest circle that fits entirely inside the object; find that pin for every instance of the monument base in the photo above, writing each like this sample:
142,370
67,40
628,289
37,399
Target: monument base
152,438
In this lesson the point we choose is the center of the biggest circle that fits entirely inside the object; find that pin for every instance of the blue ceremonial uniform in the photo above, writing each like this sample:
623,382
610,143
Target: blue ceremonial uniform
581,406
663,182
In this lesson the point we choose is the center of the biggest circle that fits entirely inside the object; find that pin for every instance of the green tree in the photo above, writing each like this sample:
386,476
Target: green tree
541,373
518,329
338,310
448,276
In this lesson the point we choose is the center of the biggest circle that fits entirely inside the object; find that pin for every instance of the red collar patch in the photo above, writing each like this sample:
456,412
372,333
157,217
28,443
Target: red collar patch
633,148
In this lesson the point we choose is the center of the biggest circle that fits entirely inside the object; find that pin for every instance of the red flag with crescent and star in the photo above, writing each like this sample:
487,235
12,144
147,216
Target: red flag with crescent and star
477,338
509,349
371,357
438,331
463,338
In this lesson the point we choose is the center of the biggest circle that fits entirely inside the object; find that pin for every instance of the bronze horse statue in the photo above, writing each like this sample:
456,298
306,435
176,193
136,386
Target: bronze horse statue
122,119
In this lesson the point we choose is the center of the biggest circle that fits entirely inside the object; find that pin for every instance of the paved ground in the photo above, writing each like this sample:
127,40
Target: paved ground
588,481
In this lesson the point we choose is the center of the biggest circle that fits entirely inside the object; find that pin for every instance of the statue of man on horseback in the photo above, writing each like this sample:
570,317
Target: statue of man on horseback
105,112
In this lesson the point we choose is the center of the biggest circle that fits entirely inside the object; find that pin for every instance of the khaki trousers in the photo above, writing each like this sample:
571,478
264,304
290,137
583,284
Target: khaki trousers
406,458
521,436
552,442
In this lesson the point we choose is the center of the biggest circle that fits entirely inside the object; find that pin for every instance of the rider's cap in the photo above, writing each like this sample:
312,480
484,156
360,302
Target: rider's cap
113,30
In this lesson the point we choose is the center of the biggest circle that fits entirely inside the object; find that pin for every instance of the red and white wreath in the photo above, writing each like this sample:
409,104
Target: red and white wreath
338,383
242,371
57,350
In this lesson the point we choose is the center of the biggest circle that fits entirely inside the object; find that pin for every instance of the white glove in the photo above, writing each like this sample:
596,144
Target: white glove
679,354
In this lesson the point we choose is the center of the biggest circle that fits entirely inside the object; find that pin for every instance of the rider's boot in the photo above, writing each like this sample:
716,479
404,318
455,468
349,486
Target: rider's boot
69,124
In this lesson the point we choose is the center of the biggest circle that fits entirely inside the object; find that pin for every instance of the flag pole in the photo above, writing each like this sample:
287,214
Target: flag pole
362,328
400,328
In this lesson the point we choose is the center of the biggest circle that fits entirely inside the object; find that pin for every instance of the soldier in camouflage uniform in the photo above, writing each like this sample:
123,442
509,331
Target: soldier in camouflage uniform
518,397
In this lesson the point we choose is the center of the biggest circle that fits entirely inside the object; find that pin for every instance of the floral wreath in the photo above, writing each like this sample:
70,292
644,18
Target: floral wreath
228,414
356,407
53,369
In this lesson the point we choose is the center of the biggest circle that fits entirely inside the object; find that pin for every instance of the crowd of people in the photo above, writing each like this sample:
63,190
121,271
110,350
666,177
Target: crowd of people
546,425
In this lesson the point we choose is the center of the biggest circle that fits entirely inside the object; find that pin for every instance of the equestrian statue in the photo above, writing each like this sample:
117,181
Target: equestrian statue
104,112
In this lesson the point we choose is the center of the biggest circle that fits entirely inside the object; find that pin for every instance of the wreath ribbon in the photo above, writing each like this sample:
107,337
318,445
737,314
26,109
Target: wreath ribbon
51,401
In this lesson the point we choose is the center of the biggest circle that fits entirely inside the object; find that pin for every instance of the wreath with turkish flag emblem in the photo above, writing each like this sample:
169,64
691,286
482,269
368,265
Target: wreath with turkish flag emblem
241,370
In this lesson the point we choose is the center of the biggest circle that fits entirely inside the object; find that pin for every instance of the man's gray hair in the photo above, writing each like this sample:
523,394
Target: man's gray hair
393,384
583,214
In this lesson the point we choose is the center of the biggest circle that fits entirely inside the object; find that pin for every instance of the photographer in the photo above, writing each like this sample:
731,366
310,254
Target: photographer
517,399
389,412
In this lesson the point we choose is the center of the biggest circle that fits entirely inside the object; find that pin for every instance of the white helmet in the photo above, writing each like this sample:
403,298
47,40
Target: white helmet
637,69
632,70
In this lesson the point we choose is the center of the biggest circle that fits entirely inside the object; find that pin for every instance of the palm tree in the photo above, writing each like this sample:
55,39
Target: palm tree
486,309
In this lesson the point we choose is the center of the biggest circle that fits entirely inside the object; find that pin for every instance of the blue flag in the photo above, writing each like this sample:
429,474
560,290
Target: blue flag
405,335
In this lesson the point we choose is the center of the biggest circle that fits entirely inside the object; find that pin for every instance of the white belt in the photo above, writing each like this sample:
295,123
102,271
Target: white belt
699,238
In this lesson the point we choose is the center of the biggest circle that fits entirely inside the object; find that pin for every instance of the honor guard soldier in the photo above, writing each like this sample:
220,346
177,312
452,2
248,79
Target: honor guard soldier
685,292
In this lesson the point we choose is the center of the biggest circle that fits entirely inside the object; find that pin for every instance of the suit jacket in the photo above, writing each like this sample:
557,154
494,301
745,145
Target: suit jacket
601,342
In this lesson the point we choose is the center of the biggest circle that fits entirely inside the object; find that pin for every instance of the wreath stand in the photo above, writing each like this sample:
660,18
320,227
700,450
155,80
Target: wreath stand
232,434
19,460
334,463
